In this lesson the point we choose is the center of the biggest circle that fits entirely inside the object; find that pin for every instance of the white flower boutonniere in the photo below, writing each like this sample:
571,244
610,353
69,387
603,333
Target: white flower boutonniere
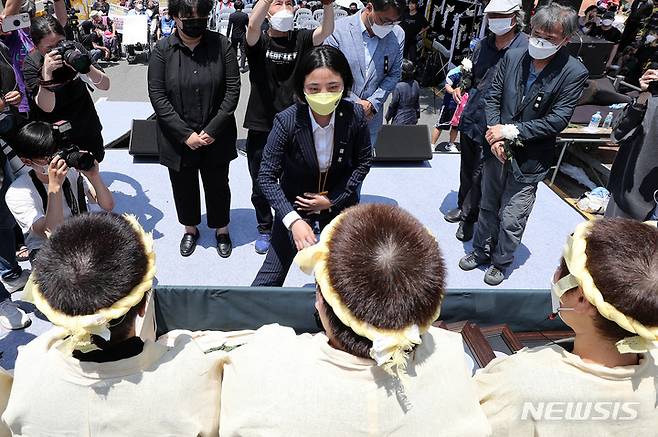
467,64
511,134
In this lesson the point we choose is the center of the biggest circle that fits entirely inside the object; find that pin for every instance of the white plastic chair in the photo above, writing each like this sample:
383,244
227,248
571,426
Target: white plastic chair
301,21
318,14
310,24
340,13
303,12
301,16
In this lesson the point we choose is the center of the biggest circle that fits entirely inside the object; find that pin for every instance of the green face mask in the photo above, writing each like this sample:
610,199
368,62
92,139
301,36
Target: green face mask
323,103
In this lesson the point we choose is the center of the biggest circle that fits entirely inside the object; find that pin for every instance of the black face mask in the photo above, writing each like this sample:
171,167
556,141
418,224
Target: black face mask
194,27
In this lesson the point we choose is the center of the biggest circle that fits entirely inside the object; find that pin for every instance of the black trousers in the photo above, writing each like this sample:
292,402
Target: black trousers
239,46
282,251
410,50
185,185
470,178
256,141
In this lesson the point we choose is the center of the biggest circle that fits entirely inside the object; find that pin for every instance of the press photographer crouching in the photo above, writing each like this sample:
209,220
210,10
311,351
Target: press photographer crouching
57,75
61,183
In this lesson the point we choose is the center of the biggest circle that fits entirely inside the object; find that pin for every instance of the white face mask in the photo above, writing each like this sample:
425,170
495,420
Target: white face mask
606,22
282,20
558,289
381,30
500,26
539,48
40,168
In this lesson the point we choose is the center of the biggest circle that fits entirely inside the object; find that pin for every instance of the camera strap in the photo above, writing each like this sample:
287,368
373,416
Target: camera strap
76,207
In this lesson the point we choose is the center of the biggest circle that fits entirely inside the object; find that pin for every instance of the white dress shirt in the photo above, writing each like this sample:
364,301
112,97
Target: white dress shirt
369,44
323,138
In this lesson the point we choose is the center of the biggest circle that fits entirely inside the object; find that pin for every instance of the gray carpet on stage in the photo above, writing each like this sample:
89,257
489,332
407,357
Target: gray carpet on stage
426,190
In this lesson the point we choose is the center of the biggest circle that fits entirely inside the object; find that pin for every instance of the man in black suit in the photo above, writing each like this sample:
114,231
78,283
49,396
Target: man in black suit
531,100
237,29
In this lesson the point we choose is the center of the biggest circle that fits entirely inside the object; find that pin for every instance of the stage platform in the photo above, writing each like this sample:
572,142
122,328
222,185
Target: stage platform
426,190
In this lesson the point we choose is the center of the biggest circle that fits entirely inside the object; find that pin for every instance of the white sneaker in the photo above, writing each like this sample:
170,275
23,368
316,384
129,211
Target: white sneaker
452,148
13,285
12,317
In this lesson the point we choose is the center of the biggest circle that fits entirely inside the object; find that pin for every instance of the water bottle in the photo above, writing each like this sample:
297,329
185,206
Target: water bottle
595,121
608,120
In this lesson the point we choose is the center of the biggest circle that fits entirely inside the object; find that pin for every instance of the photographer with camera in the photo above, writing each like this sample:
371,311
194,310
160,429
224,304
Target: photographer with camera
633,180
60,184
54,78
19,42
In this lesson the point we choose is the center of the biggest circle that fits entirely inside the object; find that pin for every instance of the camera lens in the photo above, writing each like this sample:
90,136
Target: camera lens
17,23
80,160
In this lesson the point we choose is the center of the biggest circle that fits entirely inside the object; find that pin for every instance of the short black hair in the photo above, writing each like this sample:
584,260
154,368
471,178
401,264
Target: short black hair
238,5
387,269
408,70
318,57
414,2
622,258
186,8
354,4
90,262
382,5
44,26
35,140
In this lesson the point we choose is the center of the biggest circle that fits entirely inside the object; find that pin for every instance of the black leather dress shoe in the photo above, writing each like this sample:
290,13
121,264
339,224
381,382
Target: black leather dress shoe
224,245
464,231
453,216
188,243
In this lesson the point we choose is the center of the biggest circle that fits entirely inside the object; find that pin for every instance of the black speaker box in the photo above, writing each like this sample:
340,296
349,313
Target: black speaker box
592,52
403,143
144,138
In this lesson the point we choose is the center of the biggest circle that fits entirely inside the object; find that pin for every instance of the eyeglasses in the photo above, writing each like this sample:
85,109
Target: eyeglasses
550,38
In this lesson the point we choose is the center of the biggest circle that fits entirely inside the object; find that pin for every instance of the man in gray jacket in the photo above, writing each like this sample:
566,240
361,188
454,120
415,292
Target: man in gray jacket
532,99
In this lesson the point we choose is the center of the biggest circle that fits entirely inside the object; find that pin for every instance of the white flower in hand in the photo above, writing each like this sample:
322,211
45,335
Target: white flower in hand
509,132
467,64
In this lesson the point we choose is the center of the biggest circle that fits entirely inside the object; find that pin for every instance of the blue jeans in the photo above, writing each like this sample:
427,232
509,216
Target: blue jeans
8,263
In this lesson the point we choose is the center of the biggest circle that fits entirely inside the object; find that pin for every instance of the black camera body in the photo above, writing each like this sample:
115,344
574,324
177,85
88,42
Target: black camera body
80,62
653,88
69,152
653,85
